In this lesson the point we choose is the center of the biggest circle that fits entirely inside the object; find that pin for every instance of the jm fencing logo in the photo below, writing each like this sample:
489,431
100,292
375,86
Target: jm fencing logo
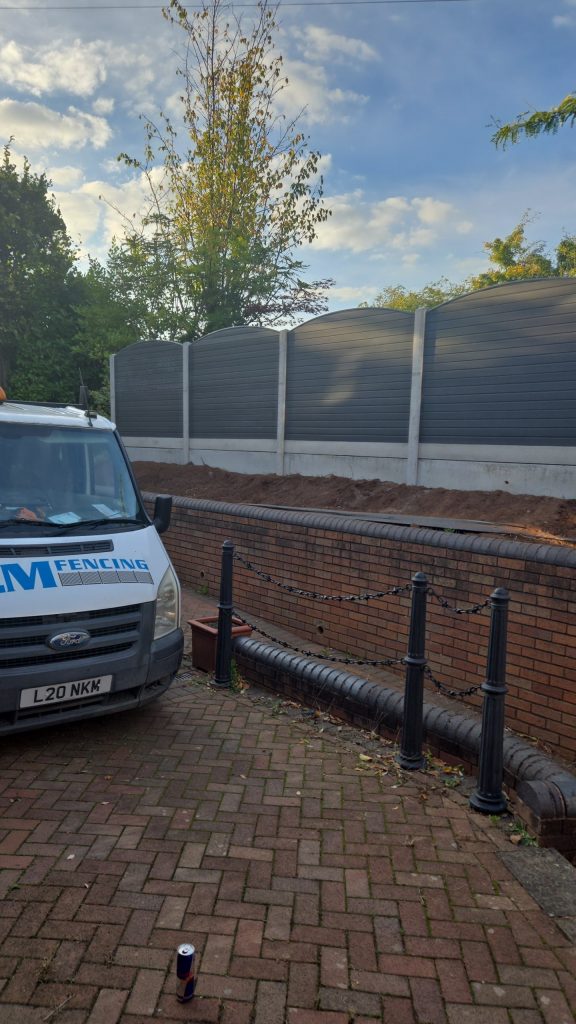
47,574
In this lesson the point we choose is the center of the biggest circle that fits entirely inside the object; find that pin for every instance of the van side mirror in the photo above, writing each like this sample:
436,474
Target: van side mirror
162,512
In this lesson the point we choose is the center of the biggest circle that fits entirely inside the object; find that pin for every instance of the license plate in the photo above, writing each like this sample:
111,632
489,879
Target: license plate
60,692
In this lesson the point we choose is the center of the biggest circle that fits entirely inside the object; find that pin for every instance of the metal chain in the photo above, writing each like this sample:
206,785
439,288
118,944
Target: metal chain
385,662
367,596
442,688
459,611
314,654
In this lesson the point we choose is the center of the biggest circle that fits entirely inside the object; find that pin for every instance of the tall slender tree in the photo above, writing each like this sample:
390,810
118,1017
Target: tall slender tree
240,189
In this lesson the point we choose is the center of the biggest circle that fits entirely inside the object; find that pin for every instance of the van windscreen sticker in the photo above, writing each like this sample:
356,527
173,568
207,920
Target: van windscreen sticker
45,574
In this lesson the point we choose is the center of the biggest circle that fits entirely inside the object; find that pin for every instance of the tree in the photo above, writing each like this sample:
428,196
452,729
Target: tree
36,266
140,294
513,258
240,191
398,297
538,122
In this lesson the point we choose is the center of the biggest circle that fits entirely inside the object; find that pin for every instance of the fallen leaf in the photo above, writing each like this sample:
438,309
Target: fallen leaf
364,757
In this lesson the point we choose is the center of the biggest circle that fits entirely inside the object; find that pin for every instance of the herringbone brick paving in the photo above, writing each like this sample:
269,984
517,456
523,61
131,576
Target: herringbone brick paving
318,888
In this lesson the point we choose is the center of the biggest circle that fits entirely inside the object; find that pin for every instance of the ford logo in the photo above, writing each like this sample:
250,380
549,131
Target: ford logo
66,641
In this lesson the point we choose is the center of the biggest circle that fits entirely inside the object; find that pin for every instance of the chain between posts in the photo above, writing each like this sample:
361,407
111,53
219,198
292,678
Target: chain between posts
448,691
315,654
314,595
366,596
475,609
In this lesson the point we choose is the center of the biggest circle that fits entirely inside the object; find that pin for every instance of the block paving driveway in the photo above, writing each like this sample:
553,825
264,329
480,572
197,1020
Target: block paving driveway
318,888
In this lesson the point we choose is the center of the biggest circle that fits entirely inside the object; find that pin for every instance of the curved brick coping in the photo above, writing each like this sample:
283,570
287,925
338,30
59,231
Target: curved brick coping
539,781
545,553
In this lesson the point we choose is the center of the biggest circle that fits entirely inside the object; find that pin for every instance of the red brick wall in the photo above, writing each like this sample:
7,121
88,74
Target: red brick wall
333,556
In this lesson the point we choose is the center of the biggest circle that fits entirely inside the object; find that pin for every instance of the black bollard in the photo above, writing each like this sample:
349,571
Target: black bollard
223,670
410,755
488,796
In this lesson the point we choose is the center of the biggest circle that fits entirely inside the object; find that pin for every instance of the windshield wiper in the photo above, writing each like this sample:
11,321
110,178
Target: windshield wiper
44,523
93,524
83,524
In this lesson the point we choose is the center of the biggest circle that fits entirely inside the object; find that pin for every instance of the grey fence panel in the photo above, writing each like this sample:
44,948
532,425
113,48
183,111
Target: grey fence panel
148,382
500,366
348,377
234,384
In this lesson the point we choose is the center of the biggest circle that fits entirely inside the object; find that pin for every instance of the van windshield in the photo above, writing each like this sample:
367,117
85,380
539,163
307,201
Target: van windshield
60,479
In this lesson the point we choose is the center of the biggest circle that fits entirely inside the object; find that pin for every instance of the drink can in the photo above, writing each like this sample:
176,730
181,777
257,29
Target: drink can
186,978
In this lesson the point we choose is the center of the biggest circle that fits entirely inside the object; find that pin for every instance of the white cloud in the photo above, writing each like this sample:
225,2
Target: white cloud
103,105
98,211
410,259
84,216
36,127
432,211
114,167
347,293
78,68
321,44
413,237
65,177
391,224
309,90
565,20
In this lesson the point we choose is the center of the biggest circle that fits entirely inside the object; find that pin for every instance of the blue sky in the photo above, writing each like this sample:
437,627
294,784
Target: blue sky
399,99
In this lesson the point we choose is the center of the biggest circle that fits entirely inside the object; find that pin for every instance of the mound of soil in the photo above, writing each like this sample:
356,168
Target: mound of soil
547,520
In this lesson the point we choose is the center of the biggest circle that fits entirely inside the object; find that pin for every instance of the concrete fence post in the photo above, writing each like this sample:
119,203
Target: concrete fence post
416,395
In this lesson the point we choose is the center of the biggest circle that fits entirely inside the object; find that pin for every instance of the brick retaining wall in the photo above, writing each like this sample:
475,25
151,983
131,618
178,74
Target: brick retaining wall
333,555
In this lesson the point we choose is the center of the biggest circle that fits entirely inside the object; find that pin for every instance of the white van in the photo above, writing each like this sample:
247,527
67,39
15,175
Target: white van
89,602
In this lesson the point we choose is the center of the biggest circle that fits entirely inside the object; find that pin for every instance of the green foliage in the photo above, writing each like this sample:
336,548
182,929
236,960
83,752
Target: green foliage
91,328
239,189
516,259
433,294
37,283
513,258
137,296
539,122
521,834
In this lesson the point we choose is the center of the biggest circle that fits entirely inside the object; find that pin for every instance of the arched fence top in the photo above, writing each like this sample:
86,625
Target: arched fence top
476,393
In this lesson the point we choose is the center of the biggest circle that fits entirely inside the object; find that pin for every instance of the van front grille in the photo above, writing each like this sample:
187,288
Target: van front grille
24,641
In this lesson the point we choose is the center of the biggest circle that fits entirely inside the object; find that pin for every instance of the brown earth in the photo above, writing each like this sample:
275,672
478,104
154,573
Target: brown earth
544,520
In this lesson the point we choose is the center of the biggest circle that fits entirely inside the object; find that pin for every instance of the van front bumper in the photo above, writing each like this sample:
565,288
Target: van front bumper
133,685
166,656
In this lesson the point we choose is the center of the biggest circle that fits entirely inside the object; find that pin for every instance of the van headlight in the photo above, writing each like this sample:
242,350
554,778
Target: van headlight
167,605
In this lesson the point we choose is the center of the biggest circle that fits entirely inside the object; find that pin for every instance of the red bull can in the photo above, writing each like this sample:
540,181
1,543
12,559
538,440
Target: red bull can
186,977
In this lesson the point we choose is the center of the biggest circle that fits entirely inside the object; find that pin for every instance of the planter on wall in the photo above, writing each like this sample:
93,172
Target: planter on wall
205,636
